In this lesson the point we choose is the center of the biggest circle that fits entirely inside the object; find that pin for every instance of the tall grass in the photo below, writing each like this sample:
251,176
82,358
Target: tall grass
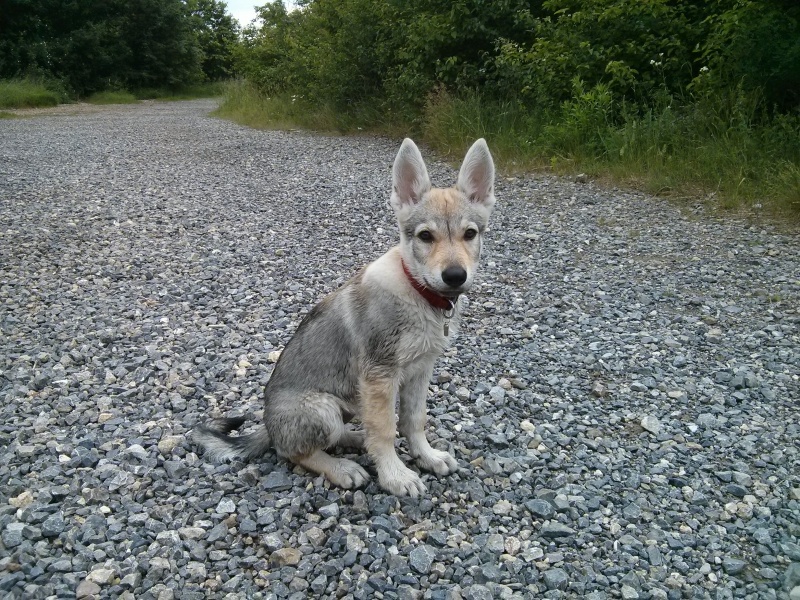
246,105
28,93
724,148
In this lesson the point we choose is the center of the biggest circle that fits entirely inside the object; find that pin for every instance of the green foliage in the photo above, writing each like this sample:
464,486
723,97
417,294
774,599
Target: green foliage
217,35
756,44
27,93
94,45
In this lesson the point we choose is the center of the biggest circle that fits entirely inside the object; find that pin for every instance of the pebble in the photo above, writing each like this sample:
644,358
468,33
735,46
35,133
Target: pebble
421,558
651,424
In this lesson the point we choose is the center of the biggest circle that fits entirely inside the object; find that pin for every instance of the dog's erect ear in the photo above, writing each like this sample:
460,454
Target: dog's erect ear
476,177
409,176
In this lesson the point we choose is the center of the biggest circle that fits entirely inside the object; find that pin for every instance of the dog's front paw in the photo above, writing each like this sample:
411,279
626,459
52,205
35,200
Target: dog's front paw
437,461
401,481
347,474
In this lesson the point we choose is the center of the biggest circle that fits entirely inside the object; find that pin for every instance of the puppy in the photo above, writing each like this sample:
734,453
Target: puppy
376,339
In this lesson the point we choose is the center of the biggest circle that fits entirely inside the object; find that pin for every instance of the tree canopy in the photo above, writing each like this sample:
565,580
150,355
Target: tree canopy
92,45
399,51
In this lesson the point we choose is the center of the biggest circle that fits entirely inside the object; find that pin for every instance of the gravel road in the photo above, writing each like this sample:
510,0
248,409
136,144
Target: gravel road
623,400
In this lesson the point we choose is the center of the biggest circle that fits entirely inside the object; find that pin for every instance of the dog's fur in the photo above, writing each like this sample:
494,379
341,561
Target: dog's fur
376,339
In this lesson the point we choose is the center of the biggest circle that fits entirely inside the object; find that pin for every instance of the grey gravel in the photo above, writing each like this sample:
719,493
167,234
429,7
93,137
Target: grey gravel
623,399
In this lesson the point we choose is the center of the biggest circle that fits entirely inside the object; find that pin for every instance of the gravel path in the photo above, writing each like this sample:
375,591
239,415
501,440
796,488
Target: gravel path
623,401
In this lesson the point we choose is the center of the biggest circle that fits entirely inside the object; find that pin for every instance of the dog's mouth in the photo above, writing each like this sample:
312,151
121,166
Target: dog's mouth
450,293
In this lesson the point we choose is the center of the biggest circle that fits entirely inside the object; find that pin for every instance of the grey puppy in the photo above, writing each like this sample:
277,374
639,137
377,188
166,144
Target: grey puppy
376,339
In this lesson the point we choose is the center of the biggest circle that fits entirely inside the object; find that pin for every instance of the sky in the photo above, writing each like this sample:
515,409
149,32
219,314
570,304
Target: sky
243,10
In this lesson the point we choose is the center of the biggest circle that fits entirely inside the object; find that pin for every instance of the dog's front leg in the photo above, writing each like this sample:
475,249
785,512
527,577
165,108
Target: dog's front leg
378,415
413,415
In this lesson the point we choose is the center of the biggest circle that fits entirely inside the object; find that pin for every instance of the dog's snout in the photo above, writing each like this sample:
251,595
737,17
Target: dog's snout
454,276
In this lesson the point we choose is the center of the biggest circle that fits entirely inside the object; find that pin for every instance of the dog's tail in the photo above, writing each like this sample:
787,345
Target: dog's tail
220,446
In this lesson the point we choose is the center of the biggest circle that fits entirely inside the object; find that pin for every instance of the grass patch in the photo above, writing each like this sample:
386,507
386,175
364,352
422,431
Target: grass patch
27,93
242,103
112,97
721,150
4,114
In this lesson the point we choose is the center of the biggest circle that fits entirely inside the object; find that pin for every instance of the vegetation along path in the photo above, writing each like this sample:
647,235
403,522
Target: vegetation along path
623,400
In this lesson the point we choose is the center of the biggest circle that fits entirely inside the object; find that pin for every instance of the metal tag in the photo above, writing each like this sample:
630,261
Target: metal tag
447,316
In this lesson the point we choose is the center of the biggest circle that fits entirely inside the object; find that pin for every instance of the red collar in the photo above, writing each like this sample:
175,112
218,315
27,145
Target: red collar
434,299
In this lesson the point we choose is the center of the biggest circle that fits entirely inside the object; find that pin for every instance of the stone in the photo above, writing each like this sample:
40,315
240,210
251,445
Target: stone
285,557
791,577
651,424
87,589
733,566
22,500
53,525
226,506
555,579
13,534
168,443
137,451
477,592
329,510
556,530
101,576
502,507
629,593
277,481
421,558
540,508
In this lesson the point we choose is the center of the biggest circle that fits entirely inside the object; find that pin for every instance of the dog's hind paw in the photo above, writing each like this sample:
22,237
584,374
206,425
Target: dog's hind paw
437,461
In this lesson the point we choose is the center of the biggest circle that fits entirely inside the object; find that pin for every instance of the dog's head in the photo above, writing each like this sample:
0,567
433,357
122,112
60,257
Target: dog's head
441,230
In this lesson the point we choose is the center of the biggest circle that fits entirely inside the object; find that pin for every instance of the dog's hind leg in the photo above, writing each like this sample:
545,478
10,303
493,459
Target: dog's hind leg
340,471
302,428
351,438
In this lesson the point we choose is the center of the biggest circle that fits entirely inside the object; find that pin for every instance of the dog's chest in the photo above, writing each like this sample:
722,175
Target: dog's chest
424,337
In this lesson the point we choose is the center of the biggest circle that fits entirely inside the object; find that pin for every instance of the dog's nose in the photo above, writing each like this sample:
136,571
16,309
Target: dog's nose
454,276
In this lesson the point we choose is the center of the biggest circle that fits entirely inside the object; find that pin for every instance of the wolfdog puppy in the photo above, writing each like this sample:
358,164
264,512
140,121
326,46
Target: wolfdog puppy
376,339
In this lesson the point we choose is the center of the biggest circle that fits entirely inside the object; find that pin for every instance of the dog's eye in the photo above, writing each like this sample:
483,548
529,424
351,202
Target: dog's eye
425,236
470,234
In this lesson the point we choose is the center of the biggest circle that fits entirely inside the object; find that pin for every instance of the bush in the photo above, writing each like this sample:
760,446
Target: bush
27,93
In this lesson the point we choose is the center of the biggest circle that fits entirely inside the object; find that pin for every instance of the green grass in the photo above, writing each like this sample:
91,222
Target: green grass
700,151
4,114
243,104
112,97
27,93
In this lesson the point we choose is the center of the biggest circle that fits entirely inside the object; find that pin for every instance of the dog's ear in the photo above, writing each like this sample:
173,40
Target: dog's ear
476,177
410,179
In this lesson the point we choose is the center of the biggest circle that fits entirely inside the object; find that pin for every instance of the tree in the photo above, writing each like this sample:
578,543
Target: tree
218,35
